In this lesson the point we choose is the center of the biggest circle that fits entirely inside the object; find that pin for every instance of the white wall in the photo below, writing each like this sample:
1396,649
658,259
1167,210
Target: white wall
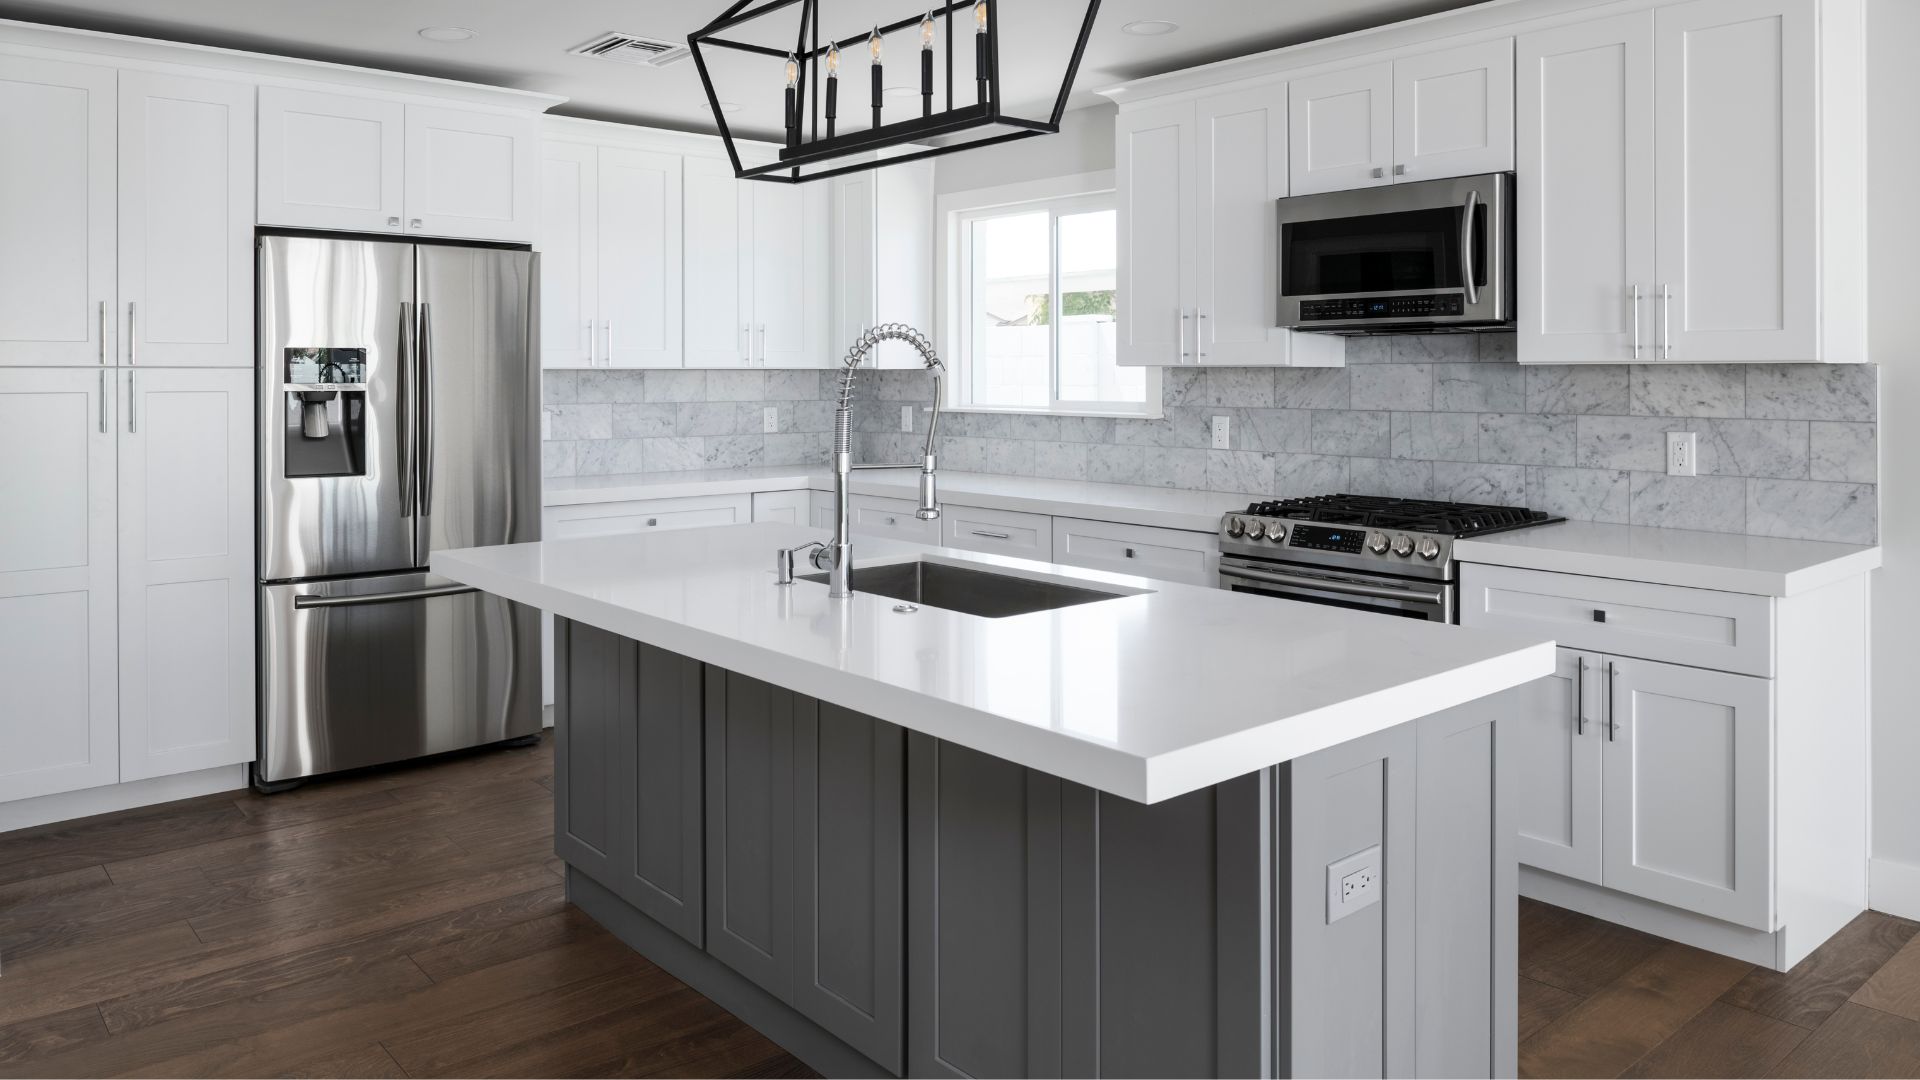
1893,218
1085,144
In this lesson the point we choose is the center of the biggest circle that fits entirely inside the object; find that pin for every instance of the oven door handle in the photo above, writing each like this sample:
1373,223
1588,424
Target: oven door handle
1336,588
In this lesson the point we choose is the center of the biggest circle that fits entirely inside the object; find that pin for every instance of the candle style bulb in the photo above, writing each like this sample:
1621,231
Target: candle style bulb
793,71
926,31
873,44
833,61
980,17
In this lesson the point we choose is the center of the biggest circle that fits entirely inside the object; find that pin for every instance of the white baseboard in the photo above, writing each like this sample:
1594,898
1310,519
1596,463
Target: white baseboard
1686,927
1893,888
67,805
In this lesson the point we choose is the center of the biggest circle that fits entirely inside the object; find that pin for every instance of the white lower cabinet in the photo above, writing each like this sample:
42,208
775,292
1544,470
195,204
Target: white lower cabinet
896,519
1190,558
126,576
998,532
1556,744
786,507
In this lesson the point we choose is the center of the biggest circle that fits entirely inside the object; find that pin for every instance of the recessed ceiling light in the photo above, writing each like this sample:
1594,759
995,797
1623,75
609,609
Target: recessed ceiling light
729,106
448,33
1150,27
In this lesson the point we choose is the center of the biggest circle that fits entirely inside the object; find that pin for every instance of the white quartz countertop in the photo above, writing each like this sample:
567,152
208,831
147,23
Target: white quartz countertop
1764,565
1165,690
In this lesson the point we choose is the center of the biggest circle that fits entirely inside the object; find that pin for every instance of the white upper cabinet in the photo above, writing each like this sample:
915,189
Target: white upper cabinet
57,212
716,225
1342,129
1453,112
787,274
341,161
1690,186
569,255
473,175
1585,197
59,703
186,167
637,242
882,257
186,580
1155,171
331,161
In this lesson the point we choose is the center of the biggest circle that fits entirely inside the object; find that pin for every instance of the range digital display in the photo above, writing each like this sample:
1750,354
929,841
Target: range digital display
1323,539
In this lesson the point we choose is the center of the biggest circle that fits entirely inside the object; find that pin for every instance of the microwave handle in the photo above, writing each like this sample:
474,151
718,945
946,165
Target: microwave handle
1467,269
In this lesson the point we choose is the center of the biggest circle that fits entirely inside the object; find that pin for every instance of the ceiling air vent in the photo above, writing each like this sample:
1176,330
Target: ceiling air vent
633,49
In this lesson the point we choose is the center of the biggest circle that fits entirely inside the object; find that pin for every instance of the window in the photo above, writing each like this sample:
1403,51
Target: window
1031,303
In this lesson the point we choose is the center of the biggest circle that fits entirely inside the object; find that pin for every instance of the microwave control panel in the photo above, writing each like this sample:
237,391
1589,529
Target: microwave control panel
1381,307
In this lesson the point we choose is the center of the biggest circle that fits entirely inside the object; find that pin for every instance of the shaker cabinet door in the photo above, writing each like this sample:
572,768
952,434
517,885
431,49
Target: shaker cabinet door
717,305
1453,112
331,161
1340,126
750,827
472,175
1242,154
1159,256
569,256
186,221
1557,738
57,214
187,579
638,247
59,705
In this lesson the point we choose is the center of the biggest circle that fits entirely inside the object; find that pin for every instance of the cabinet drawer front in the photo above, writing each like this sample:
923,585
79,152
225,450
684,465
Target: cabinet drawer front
608,519
1002,532
894,518
1697,627
1167,554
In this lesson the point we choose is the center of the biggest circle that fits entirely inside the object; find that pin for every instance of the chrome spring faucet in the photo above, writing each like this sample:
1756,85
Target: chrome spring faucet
837,558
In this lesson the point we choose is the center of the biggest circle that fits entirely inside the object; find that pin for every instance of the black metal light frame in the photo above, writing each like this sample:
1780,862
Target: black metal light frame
812,149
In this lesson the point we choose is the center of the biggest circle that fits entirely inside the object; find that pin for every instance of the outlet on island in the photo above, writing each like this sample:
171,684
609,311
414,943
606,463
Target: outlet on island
1354,883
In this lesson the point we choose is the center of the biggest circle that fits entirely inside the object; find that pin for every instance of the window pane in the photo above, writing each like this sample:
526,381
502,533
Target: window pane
1012,274
1089,273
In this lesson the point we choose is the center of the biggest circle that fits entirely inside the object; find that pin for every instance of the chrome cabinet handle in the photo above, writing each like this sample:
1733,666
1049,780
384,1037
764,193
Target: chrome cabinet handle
103,401
1613,722
103,331
593,342
133,333
1185,320
763,345
133,403
1666,322
393,223
1580,698
992,535
1467,269
415,224
1198,339
609,342
1399,170
1376,172
1636,321
746,336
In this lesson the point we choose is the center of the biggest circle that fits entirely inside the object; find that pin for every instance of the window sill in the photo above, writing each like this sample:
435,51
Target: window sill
1156,413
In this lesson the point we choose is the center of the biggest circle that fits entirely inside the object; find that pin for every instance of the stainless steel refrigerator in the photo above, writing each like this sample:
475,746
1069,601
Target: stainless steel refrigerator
399,415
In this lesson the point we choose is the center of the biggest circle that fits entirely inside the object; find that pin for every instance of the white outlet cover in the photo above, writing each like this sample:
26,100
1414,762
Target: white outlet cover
1222,433
1354,883
1683,449
770,419
906,418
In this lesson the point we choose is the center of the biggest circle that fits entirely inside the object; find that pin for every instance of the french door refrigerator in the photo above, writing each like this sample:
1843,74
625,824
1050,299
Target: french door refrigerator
399,415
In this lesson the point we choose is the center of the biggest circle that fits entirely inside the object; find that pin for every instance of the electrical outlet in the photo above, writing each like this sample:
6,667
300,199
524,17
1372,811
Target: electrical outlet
1222,433
1682,448
770,419
906,418
1354,882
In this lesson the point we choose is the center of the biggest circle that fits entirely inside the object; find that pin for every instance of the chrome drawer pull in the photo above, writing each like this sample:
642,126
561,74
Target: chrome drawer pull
992,535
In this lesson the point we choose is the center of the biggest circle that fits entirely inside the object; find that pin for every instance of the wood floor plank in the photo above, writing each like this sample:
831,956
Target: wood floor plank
370,1062
1578,953
1605,1034
1824,981
453,1049
52,849
385,900
1722,1041
31,890
59,979
1541,1005
480,949
102,913
1857,1042
1895,988
47,1035
629,1042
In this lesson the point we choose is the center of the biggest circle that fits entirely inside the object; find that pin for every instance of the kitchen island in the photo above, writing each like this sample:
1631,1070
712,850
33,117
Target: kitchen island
1162,831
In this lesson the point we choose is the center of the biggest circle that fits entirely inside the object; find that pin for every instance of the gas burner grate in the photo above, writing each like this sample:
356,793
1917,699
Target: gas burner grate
1407,515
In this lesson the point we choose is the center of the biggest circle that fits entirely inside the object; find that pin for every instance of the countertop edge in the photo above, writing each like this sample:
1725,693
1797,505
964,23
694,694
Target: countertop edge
1655,570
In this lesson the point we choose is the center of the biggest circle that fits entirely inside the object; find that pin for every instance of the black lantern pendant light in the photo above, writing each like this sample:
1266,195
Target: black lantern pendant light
802,56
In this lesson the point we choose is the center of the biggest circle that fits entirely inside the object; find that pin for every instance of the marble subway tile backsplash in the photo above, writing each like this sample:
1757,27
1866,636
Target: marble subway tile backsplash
1784,450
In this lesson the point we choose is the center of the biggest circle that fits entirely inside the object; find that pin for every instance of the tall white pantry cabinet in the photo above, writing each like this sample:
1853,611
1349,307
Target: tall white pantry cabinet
126,420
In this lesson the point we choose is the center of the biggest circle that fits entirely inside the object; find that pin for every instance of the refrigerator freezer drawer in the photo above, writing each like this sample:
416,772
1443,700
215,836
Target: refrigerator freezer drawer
373,670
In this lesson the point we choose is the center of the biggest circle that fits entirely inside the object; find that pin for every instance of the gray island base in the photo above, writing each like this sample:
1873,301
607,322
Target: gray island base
881,902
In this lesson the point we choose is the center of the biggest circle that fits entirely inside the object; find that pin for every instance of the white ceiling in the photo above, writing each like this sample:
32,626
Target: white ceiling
523,43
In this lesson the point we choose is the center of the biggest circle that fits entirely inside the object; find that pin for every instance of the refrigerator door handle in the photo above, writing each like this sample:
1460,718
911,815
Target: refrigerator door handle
401,596
404,414
424,362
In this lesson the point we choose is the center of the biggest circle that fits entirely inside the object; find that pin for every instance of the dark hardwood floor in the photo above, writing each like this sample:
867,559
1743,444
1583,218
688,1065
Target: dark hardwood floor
410,922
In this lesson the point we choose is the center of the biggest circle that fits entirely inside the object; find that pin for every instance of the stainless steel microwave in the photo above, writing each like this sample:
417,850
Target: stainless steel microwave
1436,255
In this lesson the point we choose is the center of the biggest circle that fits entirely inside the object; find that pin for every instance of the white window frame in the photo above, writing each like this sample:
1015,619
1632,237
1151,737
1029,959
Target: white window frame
954,284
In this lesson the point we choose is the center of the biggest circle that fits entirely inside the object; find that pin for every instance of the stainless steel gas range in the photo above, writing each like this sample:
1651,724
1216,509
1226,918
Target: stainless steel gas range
1393,556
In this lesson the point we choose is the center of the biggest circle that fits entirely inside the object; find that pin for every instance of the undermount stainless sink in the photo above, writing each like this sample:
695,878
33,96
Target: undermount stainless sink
967,590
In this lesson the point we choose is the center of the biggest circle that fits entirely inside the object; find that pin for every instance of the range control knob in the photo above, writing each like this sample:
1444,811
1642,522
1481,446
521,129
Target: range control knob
1403,545
1236,527
1277,533
1256,530
1429,549
1377,543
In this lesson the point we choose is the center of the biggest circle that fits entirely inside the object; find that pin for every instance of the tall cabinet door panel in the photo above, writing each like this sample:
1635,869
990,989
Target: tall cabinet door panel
849,877
639,252
749,769
1453,112
569,255
1242,153
1687,804
1736,205
1557,738
790,280
1158,249
716,320
186,220
472,174
59,722
855,254
186,571
1341,129
1585,143
56,212
331,161
662,849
